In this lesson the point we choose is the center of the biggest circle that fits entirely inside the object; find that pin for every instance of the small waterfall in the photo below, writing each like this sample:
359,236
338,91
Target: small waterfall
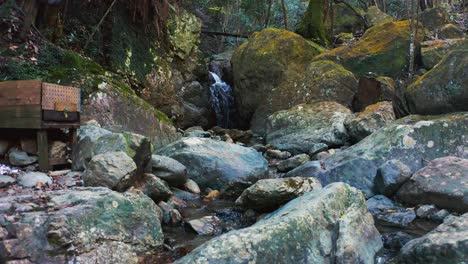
222,101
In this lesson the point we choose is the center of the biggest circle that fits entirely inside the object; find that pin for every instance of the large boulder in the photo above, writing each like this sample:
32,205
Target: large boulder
444,183
448,243
433,51
170,170
121,110
273,71
382,50
412,140
114,170
375,16
216,164
153,187
300,128
322,81
373,118
326,225
269,194
345,19
93,140
441,90
82,225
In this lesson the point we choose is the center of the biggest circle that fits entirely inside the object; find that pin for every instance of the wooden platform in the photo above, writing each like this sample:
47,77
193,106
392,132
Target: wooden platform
40,106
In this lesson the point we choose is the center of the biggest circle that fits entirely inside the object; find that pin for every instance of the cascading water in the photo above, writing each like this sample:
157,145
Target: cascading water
222,101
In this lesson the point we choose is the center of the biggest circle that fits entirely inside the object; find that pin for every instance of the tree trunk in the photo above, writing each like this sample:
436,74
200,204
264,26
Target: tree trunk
267,20
285,14
30,12
311,26
413,32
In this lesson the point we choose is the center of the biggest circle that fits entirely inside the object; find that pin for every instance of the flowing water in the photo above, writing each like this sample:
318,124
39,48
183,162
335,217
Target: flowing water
222,100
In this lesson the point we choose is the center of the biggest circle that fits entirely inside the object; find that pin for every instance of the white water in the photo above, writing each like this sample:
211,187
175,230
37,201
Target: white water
222,101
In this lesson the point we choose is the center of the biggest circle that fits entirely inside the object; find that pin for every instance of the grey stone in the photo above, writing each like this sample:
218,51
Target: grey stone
4,147
413,139
292,163
391,176
31,179
29,145
170,170
6,180
20,158
396,240
277,154
425,211
300,128
83,225
373,118
215,164
114,170
448,243
342,230
442,183
207,225
269,194
387,213
317,148
153,187
192,186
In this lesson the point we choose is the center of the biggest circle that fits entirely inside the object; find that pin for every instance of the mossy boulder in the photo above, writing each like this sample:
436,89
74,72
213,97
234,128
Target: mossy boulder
324,224
382,50
268,63
432,51
449,31
303,127
375,16
434,18
441,90
85,225
125,111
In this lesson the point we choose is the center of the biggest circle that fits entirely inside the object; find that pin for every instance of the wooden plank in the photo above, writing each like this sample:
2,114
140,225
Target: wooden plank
67,106
20,92
23,116
57,116
60,124
43,150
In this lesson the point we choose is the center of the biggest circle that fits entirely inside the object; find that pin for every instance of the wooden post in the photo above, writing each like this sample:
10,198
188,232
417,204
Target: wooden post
43,150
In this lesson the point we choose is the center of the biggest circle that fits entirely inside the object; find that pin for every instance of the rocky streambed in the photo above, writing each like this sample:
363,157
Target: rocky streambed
224,196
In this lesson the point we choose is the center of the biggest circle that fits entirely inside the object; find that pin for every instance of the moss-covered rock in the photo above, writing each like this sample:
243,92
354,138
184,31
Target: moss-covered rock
125,111
434,18
375,16
449,31
183,33
382,50
86,225
303,127
270,62
329,223
432,51
441,90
